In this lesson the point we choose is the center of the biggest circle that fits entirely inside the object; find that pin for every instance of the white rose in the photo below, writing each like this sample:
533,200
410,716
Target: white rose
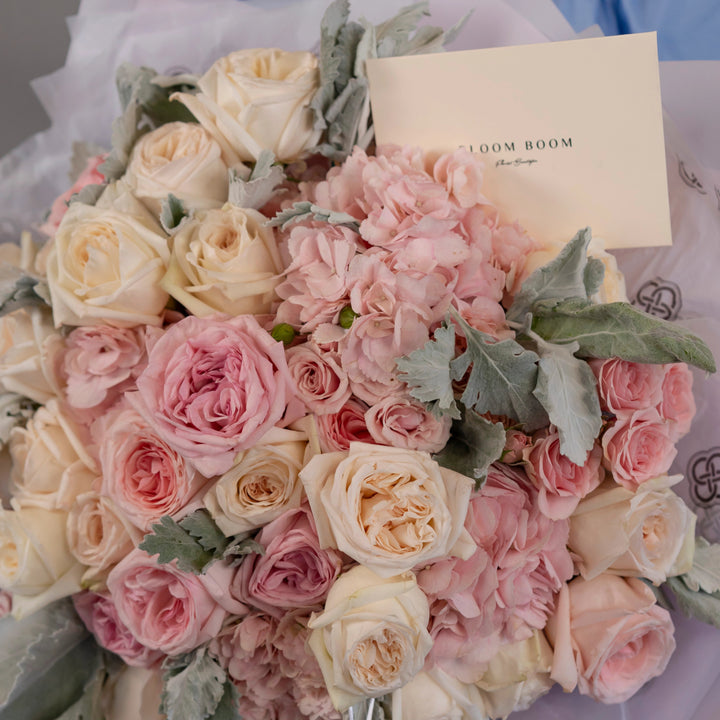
640,534
372,636
182,159
99,536
105,267
51,466
388,508
36,564
261,485
259,99
434,695
25,358
517,675
132,693
224,260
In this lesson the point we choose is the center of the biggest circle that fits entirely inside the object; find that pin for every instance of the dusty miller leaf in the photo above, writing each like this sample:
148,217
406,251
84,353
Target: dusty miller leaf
560,279
239,548
620,330
227,708
566,389
172,213
427,373
260,187
305,210
699,605
474,445
194,690
705,572
89,195
593,276
502,378
18,290
202,527
15,410
171,542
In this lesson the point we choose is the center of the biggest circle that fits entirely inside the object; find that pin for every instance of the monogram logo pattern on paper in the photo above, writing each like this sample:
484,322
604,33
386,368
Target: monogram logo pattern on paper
704,475
661,298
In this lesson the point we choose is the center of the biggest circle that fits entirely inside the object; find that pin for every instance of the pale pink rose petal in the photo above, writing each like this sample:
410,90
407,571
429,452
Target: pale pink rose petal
678,403
338,430
628,386
320,381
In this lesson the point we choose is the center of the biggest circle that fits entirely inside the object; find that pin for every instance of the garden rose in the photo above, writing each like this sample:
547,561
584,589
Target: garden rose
625,385
640,534
179,158
36,564
609,637
133,693
100,616
99,536
388,508
338,430
253,100
105,267
50,466
371,638
224,260
141,473
25,355
560,483
99,363
261,485
678,403
638,447
434,695
213,388
401,421
321,382
294,572
167,609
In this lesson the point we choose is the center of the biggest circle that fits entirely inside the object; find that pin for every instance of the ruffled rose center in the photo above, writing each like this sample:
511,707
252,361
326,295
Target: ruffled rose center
377,661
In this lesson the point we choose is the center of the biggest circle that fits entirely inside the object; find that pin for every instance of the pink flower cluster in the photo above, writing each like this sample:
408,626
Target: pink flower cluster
427,240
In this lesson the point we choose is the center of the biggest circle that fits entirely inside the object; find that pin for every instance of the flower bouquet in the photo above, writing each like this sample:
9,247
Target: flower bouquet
301,427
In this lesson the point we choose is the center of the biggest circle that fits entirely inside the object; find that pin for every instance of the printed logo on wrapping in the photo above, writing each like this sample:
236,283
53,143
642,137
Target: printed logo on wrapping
703,474
690,178
661,298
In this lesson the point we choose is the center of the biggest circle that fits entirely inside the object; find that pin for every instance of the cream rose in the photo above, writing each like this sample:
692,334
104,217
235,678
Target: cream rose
36,564
182,159
25,358
259,99
132,693
372,636
261,485
434,695
517,675
99,536
105,267
640,534
50,463
224,260
388,508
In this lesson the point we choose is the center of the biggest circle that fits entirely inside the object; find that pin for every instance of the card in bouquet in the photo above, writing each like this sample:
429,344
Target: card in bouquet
571,132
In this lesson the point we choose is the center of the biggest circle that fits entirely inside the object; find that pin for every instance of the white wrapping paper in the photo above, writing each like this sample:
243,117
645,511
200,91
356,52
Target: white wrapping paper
677,282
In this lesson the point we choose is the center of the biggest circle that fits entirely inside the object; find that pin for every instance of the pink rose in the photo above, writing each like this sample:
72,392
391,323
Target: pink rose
677,404
294,572
348,425
167,609
625,385
638,447
400,421
144,476
561,483
89,176
320,381
99,363
609,637
100,616
515,442
213,388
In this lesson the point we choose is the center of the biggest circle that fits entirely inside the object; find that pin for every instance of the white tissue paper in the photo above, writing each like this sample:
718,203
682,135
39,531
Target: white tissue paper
678,282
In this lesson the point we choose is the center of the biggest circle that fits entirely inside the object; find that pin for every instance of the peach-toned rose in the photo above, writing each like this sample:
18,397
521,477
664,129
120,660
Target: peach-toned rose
388,508
371,638
179,158
609,637
639,534
224,261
